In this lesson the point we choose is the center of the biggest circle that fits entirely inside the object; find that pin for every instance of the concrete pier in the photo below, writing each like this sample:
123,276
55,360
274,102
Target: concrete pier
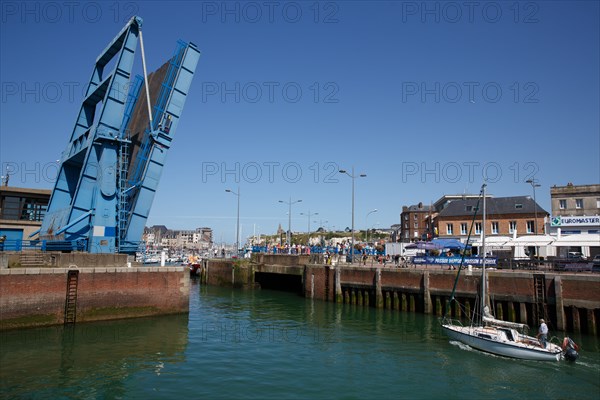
573,300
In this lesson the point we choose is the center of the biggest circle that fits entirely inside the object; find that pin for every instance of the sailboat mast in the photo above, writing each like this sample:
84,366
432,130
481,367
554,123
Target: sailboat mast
483,280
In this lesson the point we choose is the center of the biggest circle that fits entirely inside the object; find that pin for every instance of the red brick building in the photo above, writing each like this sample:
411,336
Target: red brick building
506,216
414,222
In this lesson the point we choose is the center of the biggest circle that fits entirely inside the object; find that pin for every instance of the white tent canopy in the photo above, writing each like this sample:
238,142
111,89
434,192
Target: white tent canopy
583,239
493,241
532,240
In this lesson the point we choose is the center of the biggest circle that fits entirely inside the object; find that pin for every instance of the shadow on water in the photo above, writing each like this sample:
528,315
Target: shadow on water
88,359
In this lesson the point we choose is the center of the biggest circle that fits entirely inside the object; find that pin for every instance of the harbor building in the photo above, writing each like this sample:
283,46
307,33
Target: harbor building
506,216
21,213
415,223
575,209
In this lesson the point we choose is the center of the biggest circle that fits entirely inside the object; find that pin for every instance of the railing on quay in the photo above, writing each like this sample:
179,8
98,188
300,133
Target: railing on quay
42,245
550,265
313,250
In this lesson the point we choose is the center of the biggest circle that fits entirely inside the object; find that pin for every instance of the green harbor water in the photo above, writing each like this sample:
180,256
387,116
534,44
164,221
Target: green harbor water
272,345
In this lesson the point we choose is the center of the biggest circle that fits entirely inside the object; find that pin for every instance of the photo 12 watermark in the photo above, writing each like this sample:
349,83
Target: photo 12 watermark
270,92
27,173
467,171
269,172
270,12
469,92
38,92
471,12
69,12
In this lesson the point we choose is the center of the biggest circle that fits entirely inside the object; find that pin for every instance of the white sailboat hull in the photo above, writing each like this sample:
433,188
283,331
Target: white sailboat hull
495,341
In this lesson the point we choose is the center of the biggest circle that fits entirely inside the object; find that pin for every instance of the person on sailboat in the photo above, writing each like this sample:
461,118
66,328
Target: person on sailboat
570,349
543,333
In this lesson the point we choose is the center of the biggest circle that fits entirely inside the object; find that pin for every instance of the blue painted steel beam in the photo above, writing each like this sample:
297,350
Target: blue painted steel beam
98,200
83,203
167,111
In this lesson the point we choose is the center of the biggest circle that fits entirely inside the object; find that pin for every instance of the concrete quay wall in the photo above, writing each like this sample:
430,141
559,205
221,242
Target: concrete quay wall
55,259
571,302
37,296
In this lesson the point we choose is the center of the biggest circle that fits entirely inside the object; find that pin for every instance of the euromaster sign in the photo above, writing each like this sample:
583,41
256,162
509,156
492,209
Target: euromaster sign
575,221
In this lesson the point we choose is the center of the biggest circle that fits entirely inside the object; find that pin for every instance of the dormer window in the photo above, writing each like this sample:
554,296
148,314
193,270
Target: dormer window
469,208
518,206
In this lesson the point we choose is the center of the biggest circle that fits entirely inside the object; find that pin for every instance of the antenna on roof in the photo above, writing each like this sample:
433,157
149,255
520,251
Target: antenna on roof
6,178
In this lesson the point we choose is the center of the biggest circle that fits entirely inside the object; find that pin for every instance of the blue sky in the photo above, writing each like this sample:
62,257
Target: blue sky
423,97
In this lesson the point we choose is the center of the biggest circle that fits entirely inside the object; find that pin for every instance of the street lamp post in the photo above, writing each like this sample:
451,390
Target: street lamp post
289,203
367,221
237,231
534,183
308,214
353,177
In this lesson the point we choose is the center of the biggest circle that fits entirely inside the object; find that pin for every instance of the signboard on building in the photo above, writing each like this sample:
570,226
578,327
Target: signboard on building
575,221
476,261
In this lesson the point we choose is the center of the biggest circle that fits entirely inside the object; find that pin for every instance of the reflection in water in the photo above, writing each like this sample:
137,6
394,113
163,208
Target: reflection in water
89,359
267,344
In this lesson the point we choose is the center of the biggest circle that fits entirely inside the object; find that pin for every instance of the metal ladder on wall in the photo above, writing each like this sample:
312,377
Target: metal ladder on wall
123,209
71,299
539,287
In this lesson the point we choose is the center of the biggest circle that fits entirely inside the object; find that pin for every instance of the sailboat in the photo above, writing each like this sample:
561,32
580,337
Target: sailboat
491,335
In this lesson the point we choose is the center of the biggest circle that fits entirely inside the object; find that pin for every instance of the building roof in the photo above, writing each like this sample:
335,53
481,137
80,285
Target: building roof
443,201
494,206
25,191
417,208
574,190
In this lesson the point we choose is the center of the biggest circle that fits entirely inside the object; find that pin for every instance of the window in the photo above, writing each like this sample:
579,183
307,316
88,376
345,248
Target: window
578,203
22,208
405,217
494,228
469,208
530,227
562,204
518,206
415,217
477,228
512,227
416,225
10,207
449,229
406,225
597,203
463,228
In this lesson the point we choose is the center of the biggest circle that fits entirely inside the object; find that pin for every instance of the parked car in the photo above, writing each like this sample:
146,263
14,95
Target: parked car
596,263
576,256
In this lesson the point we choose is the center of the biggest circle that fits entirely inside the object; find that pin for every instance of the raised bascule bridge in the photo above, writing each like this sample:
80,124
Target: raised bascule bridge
111,167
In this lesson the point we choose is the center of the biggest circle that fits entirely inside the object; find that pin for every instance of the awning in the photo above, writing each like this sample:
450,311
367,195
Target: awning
588,239
438,244
532,240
